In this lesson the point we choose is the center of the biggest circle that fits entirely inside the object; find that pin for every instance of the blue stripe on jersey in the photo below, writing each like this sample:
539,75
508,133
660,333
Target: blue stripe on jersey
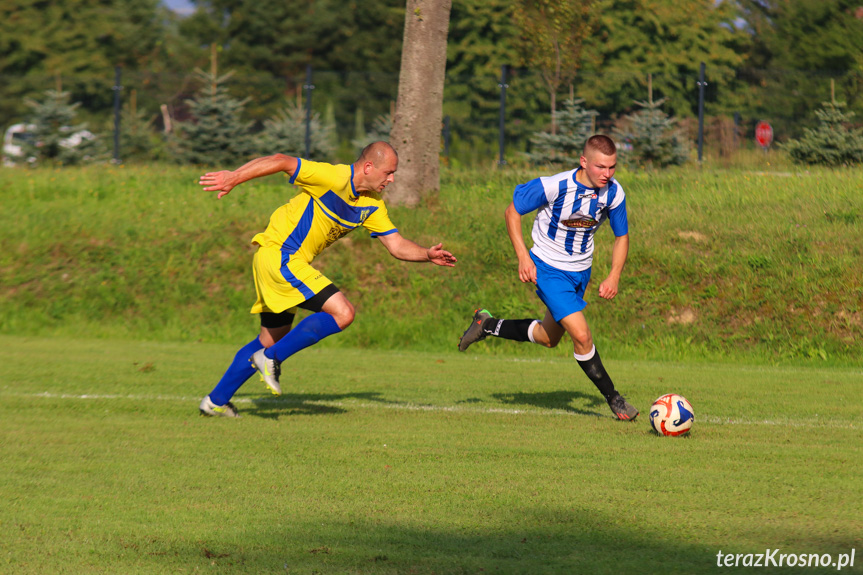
353,188
296,238
586,239
588,233
344,210
593,203
558,207
529,196
297,173
379,234
567,244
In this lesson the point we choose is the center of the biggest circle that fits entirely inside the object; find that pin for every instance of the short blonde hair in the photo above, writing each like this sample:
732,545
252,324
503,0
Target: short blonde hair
602,144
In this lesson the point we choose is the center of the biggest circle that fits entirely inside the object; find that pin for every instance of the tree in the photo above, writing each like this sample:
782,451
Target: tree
483,37
419,107
286,132
353,48
575,126
80,41
797,46
552,37
652,137
217,134
668,39
55,138
832,143
381,128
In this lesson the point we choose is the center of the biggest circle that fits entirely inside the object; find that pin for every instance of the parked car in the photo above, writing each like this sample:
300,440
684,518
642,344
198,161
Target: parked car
19,134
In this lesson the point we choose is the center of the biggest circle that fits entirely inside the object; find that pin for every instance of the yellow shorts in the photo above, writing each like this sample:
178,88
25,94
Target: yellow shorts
282,287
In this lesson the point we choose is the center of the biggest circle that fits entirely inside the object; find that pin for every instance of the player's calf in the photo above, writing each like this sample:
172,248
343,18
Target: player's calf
483,325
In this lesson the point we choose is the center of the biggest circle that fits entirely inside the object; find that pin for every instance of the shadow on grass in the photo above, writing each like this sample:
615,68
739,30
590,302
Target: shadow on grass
308,404
560,400
559,541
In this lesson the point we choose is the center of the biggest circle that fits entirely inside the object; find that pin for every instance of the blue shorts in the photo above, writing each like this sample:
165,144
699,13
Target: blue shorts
562,292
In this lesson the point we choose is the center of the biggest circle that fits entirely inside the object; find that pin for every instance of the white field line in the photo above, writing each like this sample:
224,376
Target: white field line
709,419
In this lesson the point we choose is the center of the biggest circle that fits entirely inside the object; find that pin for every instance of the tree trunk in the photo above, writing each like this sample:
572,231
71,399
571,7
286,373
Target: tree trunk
416,131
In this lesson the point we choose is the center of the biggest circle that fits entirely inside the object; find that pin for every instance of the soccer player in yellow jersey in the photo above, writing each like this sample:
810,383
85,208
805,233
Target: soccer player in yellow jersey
334,200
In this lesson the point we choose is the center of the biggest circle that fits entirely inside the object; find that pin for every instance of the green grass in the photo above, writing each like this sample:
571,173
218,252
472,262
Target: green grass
414,462
756,264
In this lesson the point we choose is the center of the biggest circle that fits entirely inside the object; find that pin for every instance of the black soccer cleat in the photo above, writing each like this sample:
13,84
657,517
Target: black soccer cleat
622,409
474,332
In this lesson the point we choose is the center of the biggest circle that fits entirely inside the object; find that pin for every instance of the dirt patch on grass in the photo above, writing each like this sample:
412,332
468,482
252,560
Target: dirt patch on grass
697,237
684,316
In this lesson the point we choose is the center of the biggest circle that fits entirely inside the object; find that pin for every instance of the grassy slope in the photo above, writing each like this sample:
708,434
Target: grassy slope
413,462
722,263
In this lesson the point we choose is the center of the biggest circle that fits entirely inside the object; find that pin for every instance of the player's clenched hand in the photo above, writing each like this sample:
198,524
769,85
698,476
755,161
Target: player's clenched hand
221,182
608,288
439,256
527,271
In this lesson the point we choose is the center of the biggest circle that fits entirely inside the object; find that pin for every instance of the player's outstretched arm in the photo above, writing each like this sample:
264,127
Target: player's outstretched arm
226,180
404,249
526,267
608,288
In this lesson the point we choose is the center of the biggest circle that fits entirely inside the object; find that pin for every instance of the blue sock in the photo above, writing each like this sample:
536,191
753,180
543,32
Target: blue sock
241,369
308,332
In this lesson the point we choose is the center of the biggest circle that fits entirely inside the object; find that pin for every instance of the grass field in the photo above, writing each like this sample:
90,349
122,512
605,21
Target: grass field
411,462
766,266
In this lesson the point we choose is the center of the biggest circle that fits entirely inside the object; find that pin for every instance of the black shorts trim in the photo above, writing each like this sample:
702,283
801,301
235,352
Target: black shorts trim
276,320
315,303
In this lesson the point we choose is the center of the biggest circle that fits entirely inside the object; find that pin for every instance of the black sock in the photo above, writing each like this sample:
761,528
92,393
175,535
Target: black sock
594,369
514,329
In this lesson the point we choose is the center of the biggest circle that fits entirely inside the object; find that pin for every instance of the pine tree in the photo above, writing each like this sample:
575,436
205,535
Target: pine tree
381,127
286,133
651,138
832,143
55,138
574,127
138,139
217,133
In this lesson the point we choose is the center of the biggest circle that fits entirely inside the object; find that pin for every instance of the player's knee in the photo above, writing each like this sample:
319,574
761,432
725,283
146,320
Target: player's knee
344,316
582,340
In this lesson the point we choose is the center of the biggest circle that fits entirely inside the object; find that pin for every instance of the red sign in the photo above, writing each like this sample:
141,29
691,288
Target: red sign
763,134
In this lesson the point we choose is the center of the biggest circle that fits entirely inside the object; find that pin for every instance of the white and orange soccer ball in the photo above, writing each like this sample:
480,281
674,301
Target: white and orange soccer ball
672,415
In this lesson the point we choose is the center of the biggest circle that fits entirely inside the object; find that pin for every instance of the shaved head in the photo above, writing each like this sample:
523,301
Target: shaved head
376,153
375,168
602,144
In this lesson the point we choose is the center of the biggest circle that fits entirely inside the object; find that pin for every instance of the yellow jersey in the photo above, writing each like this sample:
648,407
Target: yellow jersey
327,208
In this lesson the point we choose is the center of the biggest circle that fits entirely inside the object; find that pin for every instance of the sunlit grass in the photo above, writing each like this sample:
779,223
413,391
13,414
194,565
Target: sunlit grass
412,462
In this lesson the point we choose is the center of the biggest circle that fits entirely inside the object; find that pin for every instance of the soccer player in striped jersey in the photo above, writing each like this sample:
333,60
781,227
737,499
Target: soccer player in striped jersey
571,206
333,201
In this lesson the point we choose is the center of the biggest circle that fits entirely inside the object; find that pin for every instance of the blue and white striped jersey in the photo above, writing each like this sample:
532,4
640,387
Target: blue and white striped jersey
568,216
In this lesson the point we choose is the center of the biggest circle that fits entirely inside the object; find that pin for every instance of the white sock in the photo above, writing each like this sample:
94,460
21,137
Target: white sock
586,356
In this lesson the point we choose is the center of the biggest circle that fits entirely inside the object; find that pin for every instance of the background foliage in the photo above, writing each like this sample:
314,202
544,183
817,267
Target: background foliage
766,59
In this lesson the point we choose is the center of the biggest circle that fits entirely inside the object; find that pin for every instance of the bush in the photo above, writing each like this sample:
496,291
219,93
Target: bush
651,138
574,127
832,143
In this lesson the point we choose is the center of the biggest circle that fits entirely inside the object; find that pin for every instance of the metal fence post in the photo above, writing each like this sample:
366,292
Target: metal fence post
503,86
308,87
701,85
117,87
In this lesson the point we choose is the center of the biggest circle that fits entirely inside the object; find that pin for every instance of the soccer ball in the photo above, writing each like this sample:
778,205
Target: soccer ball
672,415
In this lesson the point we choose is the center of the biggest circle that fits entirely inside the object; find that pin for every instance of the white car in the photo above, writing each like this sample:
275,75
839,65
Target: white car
17,134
